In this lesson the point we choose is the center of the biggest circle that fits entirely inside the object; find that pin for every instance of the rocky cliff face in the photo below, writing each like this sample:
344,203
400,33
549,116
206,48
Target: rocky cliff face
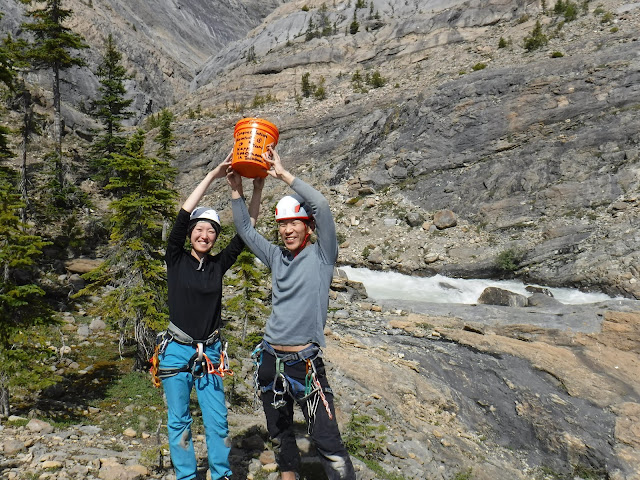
535,153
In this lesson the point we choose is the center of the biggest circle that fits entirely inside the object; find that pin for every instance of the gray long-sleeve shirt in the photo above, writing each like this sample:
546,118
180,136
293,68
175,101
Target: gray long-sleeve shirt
300,284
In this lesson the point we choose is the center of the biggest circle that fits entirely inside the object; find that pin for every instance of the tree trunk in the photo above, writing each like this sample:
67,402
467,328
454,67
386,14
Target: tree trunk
245,325
145,345
4,397
57,125
26,133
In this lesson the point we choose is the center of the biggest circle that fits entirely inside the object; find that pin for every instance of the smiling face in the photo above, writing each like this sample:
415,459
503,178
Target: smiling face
203,236
294,233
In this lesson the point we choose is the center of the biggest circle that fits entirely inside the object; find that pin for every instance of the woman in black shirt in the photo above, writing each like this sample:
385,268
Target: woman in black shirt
191,347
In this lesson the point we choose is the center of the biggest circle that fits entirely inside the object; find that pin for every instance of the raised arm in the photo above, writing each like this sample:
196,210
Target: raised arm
277,170
325,226
235,182
256,197
194,198
242,218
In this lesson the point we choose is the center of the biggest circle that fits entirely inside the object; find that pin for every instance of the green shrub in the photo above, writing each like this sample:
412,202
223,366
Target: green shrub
260,100
509,260
571,11
320,92
536,39
568,9
502,43
557,55
479,66
307,86
357,82
607,18
376,80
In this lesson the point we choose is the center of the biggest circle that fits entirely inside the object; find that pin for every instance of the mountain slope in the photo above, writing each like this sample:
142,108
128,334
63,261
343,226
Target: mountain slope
162,42
535,152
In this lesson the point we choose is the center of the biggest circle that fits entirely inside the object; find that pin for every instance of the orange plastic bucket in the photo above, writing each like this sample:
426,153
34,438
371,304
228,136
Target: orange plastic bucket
252,136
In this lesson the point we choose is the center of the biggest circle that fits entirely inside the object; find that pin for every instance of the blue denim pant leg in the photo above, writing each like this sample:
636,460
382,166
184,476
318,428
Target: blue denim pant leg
177,390
211,398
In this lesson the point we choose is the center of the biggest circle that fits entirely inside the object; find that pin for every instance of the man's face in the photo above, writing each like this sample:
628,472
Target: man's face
293,233
203,237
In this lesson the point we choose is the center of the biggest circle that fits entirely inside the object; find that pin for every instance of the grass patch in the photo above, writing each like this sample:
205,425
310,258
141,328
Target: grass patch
22,422
380,472
364,439
464,475
131,401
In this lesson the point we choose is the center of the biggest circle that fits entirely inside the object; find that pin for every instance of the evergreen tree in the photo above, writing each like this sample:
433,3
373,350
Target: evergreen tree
6,76
51,49
536,39
22,311
111,107
325,22
16,50
248,303
354,26
307,86
30,125
312,32
136,297
165,138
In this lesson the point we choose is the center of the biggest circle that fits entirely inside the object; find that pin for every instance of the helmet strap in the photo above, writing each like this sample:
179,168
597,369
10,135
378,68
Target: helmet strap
304,244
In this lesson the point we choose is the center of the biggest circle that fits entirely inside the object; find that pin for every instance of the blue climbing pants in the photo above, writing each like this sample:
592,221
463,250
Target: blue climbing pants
209,389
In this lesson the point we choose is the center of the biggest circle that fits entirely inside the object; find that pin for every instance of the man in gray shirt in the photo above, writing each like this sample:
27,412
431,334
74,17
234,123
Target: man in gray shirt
290,366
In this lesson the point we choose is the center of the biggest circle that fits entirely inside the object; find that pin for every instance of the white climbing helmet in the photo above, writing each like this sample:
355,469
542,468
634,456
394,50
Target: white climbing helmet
291,207
206,214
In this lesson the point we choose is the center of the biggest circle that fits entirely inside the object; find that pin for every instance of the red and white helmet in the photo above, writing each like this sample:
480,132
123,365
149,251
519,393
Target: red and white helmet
292,207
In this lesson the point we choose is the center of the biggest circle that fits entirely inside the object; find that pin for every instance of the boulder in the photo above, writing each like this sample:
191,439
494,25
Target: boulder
82,265
499,296
542,300
445,219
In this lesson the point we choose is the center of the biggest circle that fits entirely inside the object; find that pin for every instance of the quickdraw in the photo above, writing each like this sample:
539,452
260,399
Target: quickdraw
155,362
278,395
256,355
223,366
313,386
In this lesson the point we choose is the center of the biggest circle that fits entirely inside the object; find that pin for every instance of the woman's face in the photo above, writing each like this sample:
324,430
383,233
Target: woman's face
202,238
293,233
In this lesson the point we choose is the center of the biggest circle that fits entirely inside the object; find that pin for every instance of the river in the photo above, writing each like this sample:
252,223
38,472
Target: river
439,289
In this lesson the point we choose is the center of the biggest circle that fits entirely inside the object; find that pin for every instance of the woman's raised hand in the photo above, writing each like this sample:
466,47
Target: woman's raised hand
221,170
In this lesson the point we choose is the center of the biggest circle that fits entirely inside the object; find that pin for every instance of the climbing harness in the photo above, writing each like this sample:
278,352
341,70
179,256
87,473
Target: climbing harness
282,384
198,365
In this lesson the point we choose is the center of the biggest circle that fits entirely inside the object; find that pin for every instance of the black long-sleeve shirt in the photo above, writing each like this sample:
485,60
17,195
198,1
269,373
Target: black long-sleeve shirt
195,295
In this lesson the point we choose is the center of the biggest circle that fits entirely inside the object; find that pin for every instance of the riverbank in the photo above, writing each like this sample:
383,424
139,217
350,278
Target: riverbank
424,390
